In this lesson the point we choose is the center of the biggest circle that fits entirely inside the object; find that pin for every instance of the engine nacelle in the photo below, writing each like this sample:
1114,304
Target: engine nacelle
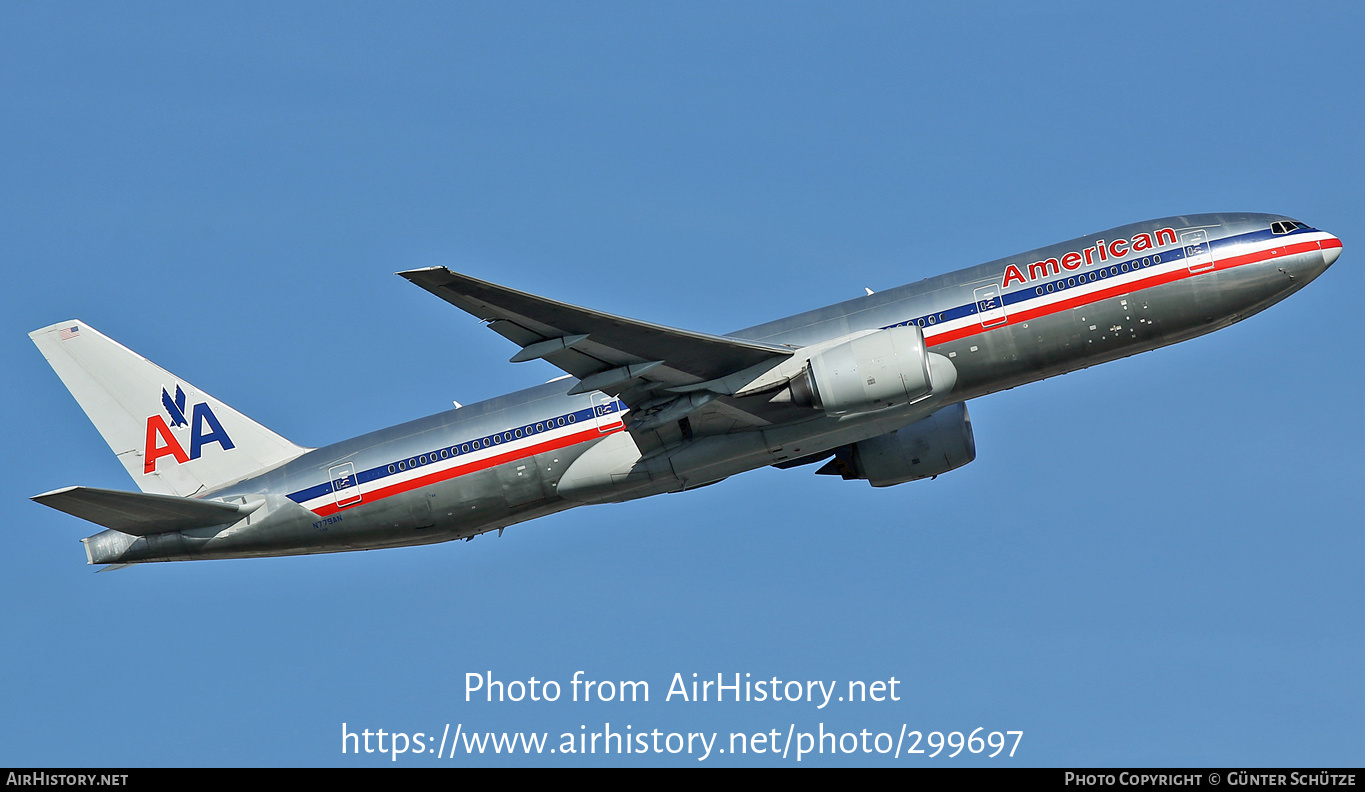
926,448
883,369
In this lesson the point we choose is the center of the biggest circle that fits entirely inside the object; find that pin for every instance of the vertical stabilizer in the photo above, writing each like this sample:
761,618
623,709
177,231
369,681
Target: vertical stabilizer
171,437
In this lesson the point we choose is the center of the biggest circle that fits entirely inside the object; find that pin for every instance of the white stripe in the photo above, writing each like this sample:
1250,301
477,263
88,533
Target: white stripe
461,460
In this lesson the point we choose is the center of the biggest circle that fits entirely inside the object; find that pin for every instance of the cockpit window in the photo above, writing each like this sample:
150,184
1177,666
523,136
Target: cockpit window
1286,226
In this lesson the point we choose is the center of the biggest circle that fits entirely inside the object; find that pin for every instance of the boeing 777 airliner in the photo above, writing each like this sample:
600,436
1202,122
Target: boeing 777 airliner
875,388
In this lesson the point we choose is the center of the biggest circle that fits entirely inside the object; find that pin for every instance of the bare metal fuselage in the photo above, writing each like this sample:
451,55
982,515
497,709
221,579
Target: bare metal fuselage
1005,323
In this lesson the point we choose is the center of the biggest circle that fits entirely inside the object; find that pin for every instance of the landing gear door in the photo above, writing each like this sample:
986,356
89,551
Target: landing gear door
990,306
1198,256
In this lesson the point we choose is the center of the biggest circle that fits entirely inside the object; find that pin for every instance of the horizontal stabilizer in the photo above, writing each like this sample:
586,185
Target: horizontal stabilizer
115,568
140,513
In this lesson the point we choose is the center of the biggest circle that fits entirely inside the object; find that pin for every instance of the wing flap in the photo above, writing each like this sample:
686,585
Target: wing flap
140,513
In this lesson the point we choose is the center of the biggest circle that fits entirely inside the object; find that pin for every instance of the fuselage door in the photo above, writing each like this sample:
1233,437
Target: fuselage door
1198,256
604,409
345,488
990,306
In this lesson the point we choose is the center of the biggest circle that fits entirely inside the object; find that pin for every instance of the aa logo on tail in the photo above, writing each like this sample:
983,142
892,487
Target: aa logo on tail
204,429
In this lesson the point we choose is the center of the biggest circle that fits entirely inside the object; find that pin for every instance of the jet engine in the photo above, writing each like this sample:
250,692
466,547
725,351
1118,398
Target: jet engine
924,449
883,369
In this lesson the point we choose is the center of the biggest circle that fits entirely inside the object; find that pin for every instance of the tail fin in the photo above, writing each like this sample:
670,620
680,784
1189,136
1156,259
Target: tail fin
172,438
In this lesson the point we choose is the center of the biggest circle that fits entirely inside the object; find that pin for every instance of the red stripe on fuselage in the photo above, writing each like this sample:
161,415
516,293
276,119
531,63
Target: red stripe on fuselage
370,496
942,338
1131,287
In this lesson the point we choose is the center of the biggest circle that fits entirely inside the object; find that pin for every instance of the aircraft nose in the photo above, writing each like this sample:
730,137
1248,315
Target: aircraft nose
1331,250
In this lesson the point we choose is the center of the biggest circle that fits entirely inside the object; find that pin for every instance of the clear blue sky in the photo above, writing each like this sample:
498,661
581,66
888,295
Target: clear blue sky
228,190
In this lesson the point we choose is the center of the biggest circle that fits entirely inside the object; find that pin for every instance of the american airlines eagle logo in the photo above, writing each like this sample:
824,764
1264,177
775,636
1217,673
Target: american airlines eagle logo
161,441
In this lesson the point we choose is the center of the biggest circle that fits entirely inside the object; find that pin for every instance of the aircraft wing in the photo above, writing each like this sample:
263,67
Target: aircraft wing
656,370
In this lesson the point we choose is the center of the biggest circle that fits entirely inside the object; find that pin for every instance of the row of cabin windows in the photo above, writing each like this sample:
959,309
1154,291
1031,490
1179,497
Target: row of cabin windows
491,440
1104,272
931,319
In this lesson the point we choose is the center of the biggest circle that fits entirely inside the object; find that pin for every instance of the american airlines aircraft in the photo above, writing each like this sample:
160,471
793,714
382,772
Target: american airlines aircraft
875,388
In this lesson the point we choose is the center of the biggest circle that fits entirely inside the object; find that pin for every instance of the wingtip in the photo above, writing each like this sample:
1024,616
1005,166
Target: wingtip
413,272
35,498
